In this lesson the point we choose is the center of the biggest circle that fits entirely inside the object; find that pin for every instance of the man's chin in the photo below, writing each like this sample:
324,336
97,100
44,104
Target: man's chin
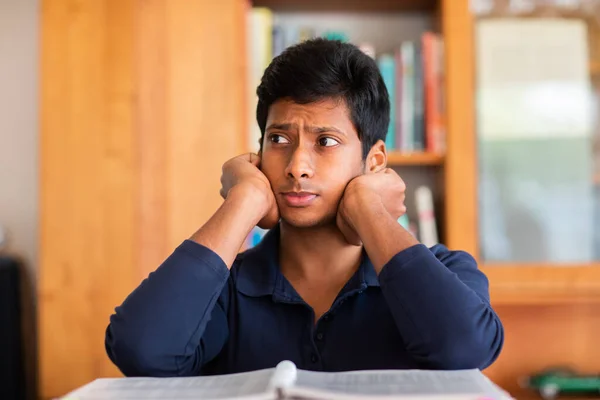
306,221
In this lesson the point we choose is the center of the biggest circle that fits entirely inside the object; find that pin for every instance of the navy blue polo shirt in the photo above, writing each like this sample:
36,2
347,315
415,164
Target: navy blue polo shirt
428,308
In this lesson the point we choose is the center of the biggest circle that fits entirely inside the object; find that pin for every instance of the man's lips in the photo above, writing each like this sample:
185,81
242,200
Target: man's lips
299,199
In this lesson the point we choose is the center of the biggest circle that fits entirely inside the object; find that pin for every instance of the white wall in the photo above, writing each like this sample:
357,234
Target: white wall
19,125
19,152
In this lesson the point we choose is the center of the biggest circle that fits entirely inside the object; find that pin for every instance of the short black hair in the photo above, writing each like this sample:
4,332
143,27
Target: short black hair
320,69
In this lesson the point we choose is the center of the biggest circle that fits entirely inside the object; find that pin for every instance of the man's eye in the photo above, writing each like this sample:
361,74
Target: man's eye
328,142
278,139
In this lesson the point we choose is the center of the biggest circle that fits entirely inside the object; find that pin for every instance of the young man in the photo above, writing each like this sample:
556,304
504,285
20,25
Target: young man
337,284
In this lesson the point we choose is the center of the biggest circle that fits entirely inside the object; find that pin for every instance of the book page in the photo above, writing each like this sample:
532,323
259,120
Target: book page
466,384
249,385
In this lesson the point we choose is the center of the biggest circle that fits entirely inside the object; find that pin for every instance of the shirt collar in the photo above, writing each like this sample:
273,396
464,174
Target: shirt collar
259,273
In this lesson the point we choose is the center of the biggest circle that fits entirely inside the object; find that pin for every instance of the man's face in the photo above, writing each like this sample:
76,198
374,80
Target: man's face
310,153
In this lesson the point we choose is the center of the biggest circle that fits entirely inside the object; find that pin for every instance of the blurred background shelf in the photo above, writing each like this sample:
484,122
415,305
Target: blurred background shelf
399,159
541,284
346,5
529,395
523,296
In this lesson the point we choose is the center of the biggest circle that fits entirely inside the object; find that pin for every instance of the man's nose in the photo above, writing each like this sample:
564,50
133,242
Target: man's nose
300,164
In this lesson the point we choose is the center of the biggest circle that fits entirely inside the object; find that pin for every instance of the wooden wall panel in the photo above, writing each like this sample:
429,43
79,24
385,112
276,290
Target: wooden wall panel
87,179
538,337
204,125
461,152
113,278
151,114
140,106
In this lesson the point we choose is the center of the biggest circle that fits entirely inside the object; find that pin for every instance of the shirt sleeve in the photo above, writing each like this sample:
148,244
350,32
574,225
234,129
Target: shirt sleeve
175,321
440,302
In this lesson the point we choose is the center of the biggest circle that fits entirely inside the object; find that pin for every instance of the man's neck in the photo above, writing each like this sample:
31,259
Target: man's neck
317,255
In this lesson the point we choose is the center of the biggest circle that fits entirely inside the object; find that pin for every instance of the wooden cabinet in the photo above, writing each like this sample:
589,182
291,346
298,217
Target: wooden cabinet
550,308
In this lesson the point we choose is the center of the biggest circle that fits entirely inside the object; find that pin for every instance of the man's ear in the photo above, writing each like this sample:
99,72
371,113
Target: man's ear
377,158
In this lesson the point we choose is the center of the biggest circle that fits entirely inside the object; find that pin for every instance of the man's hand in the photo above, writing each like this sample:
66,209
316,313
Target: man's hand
370,190
249,201
242,173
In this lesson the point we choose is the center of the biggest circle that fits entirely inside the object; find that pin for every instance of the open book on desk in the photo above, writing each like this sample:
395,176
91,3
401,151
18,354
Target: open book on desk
287,382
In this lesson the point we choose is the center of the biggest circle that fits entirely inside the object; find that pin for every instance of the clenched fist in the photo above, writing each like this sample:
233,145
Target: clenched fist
383,187
243,173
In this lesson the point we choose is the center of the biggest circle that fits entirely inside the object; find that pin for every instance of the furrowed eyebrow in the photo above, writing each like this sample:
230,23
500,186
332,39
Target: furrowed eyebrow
324,129
311,129
282,127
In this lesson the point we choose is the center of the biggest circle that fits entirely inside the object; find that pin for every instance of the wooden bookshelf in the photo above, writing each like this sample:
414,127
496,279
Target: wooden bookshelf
398,159
346,5
550,312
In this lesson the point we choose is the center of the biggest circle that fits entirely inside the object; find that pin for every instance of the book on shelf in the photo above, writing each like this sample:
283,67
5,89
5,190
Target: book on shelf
388,72
434,99
426,216
288,382
413,73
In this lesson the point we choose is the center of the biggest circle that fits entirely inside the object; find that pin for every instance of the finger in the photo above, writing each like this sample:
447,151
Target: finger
402,185
254,159
224,166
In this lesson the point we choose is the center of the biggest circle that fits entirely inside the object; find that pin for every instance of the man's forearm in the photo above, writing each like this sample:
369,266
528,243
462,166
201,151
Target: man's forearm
439,308
225,232
159,328
381,234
